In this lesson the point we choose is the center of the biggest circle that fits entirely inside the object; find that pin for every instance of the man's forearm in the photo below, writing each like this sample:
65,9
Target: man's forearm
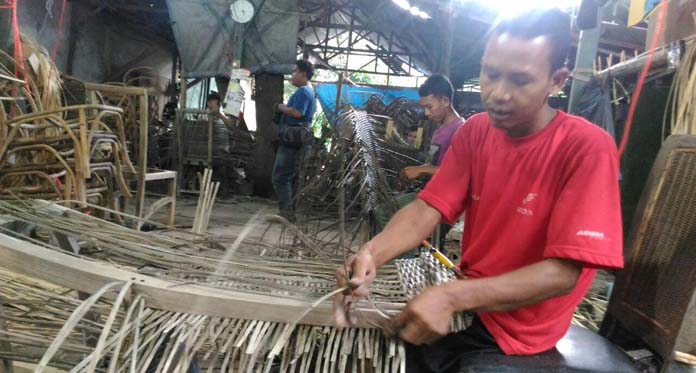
428,170
291,112
406,230
513,290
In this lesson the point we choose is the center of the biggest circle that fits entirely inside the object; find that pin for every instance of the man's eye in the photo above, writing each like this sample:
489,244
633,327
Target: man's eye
521,82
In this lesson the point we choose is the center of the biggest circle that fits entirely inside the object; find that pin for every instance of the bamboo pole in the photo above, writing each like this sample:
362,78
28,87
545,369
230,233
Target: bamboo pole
342,161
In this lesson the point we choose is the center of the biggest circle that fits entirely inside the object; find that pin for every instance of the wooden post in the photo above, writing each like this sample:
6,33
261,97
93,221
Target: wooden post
210,141
182,94
142,154
175,66
269,92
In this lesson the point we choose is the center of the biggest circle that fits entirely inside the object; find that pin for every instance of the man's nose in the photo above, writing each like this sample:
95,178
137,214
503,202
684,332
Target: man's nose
500,93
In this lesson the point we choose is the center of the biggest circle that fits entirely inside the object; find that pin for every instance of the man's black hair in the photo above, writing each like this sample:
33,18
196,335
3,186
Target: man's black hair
412,129
437,85
306,67
214,96
552,23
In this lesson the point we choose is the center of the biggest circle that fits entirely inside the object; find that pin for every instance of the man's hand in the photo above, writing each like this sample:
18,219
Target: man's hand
411,173
426,317
361,272
280,107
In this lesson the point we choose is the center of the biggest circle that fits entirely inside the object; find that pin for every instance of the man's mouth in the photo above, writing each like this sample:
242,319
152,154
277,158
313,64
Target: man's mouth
497,114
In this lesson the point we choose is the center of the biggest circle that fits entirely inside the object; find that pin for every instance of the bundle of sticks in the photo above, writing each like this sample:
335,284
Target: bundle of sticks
206,200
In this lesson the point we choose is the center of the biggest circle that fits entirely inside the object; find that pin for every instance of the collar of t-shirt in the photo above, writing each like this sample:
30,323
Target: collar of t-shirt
530,140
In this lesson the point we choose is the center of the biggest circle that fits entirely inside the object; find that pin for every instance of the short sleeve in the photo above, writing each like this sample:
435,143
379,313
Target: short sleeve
303,101
447,191
585,223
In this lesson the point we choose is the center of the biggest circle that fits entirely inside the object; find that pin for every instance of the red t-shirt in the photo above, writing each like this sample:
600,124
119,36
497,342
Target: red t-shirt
553,194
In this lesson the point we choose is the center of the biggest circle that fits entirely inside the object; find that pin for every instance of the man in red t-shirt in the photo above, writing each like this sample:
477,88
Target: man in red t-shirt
540,191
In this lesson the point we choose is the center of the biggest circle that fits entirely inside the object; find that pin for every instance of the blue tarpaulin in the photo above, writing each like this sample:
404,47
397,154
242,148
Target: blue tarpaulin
357,96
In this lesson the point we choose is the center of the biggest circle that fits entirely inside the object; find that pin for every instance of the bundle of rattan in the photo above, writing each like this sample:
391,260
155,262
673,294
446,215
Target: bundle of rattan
28,86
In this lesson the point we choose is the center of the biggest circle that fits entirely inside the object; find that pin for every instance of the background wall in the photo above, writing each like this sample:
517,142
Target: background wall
94,48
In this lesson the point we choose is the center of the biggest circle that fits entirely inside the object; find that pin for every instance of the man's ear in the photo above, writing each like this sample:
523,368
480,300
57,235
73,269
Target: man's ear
558,79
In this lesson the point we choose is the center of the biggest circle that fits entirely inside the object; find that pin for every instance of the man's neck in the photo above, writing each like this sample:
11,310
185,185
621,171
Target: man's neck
451,116
538,123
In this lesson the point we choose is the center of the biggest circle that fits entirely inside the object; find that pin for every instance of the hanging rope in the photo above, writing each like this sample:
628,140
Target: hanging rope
18,54
59,34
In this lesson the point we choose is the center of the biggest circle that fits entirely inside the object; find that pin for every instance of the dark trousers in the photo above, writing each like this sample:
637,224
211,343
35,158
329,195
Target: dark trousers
287,163
444,355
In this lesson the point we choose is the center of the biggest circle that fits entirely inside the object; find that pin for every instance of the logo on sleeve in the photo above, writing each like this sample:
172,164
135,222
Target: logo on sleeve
591,234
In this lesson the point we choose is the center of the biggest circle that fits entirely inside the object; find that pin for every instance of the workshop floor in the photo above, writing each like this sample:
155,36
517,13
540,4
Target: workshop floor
229,215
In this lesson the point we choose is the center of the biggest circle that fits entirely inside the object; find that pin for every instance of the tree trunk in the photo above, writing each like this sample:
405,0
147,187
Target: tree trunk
269,92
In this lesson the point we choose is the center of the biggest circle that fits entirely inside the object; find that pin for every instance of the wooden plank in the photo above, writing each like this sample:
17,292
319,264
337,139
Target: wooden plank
44,114
142,155
210,141
172,206
118,90
160,175
56,267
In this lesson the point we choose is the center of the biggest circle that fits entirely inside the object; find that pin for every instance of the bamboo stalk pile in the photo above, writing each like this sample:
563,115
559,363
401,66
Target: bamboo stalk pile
131,332
46,326
206,200
31,314
185,257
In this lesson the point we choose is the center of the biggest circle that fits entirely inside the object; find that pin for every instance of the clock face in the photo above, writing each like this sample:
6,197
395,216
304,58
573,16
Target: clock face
242,11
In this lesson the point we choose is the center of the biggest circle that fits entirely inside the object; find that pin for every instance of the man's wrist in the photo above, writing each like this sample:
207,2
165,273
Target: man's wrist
374,251
459,295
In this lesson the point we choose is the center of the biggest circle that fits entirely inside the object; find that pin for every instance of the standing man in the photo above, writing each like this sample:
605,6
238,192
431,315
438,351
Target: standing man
540,188
436,98
293,133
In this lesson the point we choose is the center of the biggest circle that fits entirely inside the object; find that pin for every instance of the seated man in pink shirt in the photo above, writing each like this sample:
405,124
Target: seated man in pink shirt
436,98
541,196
